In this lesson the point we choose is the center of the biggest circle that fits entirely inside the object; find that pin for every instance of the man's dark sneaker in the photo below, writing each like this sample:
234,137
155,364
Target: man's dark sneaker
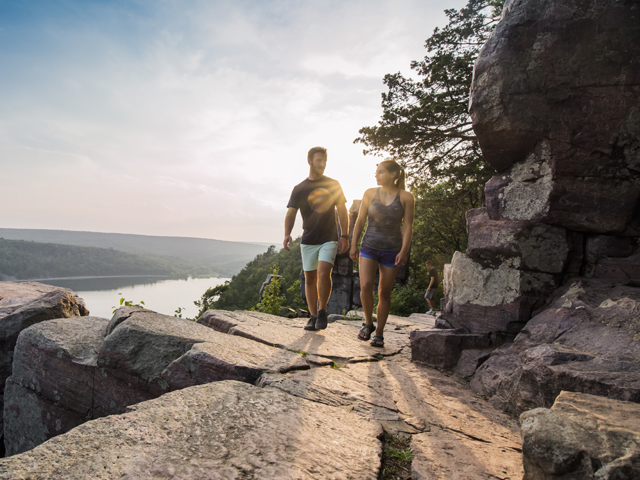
311,324
321,322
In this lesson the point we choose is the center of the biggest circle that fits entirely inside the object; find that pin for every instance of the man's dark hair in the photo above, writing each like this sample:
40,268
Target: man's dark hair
315,150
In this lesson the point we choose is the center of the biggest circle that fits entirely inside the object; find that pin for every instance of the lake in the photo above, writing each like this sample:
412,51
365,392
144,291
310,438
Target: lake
159,294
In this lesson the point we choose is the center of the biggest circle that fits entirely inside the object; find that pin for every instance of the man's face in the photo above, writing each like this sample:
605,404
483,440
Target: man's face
318,163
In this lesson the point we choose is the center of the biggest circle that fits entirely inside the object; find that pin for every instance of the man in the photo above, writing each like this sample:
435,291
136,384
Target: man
318,198
433,287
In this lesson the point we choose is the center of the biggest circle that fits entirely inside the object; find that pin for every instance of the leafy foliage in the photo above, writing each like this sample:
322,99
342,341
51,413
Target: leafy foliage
127,303
425,123
242,292
271,297
425,126
208,299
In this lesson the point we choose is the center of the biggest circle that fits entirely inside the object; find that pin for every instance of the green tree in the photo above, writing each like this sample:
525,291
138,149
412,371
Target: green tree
425,126
208,299
271,296
425,122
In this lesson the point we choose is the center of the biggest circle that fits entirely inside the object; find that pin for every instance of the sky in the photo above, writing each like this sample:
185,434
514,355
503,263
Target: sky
191,118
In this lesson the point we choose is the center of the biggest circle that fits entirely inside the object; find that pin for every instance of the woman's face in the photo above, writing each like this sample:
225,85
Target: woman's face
384,177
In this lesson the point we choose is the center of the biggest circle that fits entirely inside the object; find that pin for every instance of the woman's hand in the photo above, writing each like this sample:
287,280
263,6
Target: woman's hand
401,259
353,254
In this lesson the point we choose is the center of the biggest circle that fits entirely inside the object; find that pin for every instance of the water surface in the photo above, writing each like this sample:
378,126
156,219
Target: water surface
162,295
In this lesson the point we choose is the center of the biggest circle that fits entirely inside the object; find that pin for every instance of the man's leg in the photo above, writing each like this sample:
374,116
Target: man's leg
311,291
432,304
324,284
326,257
324,292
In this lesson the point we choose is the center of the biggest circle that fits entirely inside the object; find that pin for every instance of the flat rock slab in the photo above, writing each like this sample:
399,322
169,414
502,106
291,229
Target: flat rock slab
582,436
455,434
338,341
331,386
463,436
219,430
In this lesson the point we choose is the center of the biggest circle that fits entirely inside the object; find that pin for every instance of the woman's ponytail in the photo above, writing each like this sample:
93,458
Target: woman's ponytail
392,166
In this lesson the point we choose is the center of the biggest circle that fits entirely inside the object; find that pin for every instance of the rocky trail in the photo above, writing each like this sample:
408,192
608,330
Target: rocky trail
240,395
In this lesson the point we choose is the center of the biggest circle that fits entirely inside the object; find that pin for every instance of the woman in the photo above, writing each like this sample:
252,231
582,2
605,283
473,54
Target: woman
386,243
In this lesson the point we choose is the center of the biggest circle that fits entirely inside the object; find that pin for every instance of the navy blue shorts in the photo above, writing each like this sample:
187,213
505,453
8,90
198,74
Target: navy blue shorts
388,259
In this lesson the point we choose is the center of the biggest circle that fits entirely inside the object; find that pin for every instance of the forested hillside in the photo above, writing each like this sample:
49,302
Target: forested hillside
25,260
222,258
242,292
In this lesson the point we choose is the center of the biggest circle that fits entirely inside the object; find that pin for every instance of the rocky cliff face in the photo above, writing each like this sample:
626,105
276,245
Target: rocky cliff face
555,104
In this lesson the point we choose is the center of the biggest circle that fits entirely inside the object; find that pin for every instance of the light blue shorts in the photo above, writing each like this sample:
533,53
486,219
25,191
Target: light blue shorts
312,254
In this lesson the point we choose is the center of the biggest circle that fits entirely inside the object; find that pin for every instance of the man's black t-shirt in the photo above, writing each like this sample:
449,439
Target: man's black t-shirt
434,273
316,200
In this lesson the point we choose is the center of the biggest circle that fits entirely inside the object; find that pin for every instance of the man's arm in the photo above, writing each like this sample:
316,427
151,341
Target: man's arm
343,218
289,222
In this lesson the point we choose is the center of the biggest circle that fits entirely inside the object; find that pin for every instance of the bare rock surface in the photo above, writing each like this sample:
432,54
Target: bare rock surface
537,246
588,341
220,430
582,437
67,371
443,348
555,102
24,304
337,342
321,422
457,435
485,298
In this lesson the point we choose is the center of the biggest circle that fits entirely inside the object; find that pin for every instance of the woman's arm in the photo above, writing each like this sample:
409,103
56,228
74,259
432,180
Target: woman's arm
359,226
408,202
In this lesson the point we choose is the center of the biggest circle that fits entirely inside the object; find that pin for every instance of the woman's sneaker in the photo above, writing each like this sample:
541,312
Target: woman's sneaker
321,322
311,324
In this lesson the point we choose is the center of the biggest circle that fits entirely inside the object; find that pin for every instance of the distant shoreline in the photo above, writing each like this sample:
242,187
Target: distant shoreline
110,276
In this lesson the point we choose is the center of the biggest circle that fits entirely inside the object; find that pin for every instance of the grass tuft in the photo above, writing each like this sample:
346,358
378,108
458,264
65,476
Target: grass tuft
396,458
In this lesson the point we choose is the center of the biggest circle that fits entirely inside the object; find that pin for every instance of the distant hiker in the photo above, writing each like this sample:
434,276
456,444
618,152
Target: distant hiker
318,198
385,244
432,288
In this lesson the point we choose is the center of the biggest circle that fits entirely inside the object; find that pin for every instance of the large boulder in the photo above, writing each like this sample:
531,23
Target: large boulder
586,341
485,299
22,305
25,304
68,371
220,430
538,247
555,103
582,437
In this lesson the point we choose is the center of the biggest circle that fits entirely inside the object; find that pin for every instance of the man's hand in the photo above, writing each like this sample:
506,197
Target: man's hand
343,245
287,242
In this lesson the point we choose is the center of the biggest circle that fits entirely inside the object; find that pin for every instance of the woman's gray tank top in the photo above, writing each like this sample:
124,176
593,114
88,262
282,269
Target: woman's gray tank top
384,231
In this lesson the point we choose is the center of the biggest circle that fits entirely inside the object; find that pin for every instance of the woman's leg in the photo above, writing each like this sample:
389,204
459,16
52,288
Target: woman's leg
367,268
387,279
